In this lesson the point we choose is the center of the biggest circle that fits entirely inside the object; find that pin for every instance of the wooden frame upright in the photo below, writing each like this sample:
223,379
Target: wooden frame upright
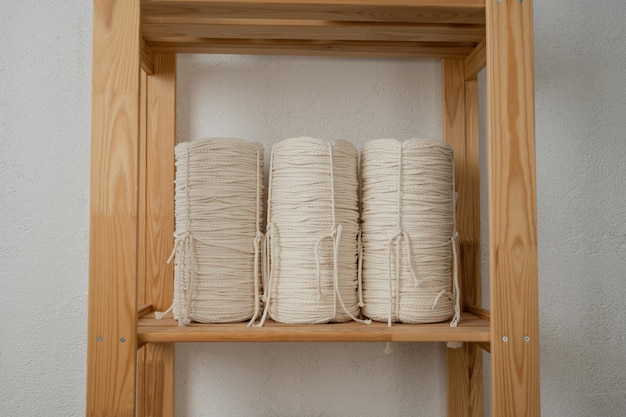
130,370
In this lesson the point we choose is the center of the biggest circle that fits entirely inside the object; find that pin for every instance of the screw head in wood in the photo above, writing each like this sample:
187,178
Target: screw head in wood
122,339
505,339
526,338
99,339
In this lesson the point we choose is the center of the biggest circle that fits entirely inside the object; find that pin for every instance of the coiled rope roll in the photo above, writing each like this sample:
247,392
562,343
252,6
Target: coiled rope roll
311,239
409,232
219,219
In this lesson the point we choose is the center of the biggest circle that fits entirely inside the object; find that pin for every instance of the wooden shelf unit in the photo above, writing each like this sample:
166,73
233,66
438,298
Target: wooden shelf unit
131,355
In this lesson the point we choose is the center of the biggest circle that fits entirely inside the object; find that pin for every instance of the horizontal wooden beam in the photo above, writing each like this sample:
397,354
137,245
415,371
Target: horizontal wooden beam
313,30
435,11
476,61
470,329
303,47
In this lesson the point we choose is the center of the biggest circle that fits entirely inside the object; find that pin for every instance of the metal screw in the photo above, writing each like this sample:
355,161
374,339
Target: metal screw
500,1
526,338
122,339
99,339
505,339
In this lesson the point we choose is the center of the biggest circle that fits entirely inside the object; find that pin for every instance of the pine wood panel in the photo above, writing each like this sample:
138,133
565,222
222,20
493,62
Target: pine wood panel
469,216
166,330
324,48
465,381
147,58
512,210
143,308
156,382
476,61
464,365
313,30
112,342
159,181
435,11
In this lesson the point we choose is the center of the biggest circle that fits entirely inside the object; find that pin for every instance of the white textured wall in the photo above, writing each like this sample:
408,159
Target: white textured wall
45,55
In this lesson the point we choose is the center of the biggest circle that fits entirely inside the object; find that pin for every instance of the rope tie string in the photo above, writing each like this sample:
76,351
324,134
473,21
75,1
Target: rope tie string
219,237
258,240
408,274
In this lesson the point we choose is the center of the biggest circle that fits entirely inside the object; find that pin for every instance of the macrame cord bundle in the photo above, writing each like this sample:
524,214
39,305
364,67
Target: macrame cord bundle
219,219
409,236
311,253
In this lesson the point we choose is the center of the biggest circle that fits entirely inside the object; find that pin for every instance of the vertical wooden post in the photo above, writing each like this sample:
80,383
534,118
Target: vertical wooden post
464,365
156,376
112,341
512,210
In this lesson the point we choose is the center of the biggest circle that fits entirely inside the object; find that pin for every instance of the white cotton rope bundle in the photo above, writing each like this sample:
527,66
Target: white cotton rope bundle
409,260
311,239
219,219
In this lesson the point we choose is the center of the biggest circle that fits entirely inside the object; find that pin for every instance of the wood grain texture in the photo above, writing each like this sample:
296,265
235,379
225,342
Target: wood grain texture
159,180
147,58
112,342
464,365
469,216
375,49
313,30
476,61
156,398
461,131
435,11
465,382
166,330
512,208
142,308
155,382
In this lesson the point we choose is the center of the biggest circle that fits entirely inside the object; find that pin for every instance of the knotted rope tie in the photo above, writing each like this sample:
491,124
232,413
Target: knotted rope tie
268,262
183,245
258,242
397,239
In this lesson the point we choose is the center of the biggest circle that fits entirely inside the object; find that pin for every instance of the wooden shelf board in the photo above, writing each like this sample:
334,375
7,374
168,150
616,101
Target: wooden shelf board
313,48
434,11
313,30
372,28
471,329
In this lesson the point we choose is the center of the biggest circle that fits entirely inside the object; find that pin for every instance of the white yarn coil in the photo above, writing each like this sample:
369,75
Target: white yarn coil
219,219
409,232
311,240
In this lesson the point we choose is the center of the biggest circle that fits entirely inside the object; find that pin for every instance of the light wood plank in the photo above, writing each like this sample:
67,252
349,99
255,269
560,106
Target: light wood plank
435,11
464,365
465,382
476,61
158,385
113,263
471,329
312,30
147,58
312,48
469,203
159,181
141,244
512,208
